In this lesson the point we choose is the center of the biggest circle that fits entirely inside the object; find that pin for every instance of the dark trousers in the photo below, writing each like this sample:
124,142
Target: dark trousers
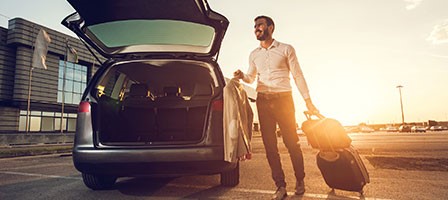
273,109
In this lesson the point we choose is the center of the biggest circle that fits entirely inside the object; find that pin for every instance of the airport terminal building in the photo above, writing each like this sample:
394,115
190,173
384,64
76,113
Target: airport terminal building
54,92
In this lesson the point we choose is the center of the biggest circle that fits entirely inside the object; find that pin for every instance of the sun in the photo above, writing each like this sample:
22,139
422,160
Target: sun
351,101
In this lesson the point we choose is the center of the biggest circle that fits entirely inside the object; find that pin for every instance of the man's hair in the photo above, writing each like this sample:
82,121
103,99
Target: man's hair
269,20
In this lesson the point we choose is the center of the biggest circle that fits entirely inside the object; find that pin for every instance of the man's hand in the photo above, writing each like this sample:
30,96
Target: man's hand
238,74
310,106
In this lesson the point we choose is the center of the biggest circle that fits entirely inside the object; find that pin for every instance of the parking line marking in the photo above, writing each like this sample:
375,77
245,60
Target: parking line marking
40,175
270,192
37,156
310,195
38,166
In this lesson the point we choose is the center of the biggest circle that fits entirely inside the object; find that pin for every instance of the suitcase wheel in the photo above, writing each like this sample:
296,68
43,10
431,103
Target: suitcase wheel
361,193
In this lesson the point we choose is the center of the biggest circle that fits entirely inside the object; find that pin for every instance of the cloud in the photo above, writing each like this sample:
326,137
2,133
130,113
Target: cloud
411,4
439,34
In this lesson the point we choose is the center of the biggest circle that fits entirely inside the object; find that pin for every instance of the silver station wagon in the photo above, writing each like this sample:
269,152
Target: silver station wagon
155,106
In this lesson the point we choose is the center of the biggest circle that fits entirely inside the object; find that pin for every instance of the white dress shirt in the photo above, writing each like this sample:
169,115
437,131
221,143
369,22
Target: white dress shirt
273,65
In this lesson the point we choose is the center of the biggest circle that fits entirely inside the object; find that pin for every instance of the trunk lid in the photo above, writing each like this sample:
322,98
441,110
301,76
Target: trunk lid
120,28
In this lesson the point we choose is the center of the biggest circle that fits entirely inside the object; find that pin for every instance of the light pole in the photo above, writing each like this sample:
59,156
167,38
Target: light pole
401,103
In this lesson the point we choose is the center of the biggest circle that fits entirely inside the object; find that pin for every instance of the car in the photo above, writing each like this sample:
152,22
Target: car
366,129
417,129
404,128
155,106
436,128
360,129
391,129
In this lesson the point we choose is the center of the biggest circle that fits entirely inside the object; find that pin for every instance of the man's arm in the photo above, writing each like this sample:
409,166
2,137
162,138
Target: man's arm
249,77
299,79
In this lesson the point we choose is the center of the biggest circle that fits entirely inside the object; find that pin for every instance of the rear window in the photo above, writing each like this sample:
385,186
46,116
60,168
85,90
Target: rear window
152,35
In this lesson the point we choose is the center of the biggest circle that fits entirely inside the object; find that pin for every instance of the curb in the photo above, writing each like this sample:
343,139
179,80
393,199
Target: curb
33,150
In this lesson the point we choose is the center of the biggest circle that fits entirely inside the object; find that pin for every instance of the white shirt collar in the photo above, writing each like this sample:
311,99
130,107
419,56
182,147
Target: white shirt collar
274,44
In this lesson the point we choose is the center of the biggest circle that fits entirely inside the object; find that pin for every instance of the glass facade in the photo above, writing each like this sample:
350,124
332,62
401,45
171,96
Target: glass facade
70,91
47,121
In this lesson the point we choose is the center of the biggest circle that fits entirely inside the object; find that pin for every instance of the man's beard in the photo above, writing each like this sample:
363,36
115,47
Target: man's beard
264,35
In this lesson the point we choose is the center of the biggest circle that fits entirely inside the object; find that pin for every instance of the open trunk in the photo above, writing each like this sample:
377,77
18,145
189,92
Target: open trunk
154,102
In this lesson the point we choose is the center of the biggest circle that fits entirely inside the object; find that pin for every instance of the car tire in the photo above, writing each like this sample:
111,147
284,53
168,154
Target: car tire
98,182
231,178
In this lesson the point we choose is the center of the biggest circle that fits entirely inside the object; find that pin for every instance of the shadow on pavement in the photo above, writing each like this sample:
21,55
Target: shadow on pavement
141,186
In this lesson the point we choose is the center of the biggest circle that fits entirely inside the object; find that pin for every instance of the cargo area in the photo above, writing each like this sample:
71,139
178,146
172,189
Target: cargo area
154,103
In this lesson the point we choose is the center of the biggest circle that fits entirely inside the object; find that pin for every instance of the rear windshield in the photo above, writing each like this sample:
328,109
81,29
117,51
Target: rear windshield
189,78
152,35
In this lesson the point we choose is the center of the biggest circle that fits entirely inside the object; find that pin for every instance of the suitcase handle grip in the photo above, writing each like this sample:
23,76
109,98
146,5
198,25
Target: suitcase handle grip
309,114
329,156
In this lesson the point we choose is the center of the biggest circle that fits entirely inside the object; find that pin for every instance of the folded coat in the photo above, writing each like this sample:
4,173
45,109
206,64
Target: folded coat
238,119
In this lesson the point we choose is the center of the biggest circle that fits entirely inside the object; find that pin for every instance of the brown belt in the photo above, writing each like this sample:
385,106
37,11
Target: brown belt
273,95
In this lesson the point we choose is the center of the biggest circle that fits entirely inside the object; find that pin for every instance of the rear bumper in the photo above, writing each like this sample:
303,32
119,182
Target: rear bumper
161,161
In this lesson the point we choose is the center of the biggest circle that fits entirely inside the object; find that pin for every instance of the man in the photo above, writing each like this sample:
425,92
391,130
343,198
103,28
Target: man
272,62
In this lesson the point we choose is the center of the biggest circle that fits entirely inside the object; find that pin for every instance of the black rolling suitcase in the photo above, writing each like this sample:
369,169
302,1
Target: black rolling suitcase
339,163
343,169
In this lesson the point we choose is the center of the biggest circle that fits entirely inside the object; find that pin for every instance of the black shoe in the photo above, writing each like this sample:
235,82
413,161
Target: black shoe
280,193
300,188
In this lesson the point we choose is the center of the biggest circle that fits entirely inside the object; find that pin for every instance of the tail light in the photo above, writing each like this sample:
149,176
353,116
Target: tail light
218,105
84,107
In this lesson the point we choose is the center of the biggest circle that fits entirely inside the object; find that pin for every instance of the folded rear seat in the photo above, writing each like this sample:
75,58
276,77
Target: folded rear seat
139,114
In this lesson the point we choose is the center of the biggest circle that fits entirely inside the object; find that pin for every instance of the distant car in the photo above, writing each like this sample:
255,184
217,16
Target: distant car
352,129
391,129
418,129
436,128
404,128
366,129
359,129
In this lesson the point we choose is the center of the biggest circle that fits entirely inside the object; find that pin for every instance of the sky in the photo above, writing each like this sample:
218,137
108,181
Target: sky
353,53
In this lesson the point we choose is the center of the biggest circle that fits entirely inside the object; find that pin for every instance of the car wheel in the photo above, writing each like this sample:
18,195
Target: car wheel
98,182
231,178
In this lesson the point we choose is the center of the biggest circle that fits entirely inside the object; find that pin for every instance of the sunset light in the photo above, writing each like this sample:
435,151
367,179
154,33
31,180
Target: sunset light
224,99
353,53
353,58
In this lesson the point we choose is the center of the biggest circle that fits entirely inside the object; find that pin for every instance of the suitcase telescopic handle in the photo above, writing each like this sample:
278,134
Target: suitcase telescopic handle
309,114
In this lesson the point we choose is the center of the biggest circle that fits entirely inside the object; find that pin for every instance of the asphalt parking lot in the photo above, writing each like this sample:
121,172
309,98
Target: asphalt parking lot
395,174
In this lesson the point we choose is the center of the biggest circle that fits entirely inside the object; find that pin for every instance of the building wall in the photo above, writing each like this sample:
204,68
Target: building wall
7,63
44,83
9,119
16,50
22,34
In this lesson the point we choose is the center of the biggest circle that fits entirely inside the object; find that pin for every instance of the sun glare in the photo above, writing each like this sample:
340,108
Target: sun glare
352,101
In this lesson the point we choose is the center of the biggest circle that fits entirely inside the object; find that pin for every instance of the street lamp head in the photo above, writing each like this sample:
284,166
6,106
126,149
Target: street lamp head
400,86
